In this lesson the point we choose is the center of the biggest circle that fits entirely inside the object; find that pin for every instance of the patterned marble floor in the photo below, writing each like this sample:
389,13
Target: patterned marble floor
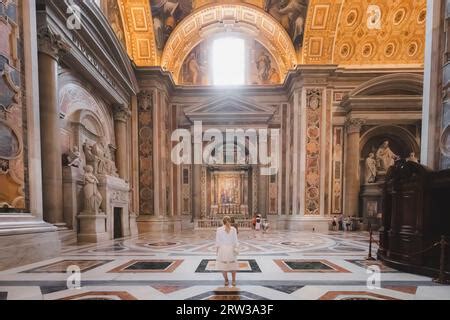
282,265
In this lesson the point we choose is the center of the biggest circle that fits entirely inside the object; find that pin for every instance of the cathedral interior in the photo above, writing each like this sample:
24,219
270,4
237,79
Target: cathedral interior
130,128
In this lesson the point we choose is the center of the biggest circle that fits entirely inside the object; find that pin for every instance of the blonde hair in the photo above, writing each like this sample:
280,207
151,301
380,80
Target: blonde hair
226,220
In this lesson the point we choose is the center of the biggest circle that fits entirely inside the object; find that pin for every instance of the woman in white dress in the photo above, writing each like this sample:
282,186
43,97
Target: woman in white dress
227,250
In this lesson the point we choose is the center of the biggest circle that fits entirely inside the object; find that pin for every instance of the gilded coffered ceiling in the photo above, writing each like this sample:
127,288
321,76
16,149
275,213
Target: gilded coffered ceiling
363,32
342,32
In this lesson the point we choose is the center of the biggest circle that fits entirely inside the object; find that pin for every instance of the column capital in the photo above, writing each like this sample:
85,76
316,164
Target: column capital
145,100
121,113
354,125
51,43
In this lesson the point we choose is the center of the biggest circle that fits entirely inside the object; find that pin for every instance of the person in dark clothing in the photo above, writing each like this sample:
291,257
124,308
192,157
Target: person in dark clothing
234,224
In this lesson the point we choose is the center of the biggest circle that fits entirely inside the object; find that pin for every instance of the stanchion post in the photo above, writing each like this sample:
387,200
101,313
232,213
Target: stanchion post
442,262
441,279
370,258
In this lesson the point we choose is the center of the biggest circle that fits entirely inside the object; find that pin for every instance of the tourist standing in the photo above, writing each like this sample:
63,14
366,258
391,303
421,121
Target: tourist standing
334,224
227,251
258,222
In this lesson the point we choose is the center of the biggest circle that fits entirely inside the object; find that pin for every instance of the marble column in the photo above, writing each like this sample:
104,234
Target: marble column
263,186
352,182
196,191
121,116
433,115
51,47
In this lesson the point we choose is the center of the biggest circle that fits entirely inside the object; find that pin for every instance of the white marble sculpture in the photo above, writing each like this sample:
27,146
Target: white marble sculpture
385,157
371,168
74,158
99,157
92,197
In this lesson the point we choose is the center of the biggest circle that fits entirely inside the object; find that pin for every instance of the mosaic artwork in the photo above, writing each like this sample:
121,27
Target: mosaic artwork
166,16
276,265
62,266
197,68
244,266
148,266
367,263
308,266
102,295
354,295
292,16
227,296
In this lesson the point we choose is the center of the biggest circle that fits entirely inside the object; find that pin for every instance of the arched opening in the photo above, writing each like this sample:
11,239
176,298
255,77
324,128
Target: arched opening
214,21
228,61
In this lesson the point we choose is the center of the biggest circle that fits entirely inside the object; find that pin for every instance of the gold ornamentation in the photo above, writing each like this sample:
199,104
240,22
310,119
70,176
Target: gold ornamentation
222,18
350,40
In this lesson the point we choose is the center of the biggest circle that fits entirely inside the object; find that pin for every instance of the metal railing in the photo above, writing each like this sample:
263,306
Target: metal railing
214,224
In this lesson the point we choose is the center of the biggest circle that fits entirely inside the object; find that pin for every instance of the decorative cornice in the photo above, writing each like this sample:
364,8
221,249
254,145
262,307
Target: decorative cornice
51,43
121,113
354,125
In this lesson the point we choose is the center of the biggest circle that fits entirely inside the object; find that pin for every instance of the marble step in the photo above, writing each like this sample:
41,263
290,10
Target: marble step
67,237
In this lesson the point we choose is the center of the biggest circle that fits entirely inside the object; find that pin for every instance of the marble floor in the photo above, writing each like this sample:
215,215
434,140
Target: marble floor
281,265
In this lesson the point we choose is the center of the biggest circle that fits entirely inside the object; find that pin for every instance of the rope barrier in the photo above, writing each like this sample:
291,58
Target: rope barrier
442,243
416,253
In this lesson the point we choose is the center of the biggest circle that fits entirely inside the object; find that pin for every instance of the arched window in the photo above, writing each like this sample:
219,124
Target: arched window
228,61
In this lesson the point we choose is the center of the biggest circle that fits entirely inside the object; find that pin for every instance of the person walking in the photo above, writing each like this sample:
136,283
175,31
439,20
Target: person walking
227,250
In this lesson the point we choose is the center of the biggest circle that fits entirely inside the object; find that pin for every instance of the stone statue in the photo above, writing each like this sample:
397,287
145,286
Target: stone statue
371,168
92,197
98,150
74,158
99,157
90,157
385,157
412,158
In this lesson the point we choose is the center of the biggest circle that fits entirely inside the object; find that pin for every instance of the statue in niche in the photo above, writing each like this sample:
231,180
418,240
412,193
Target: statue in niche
385,157
92,197
73,159
412,158
371,168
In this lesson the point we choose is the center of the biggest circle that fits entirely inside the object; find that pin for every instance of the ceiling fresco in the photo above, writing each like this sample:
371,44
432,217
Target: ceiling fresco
343,32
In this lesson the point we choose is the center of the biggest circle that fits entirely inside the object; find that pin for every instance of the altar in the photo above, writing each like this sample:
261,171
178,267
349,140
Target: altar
229,193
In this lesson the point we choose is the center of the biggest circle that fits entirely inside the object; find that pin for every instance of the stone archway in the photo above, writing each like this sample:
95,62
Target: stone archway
235,18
